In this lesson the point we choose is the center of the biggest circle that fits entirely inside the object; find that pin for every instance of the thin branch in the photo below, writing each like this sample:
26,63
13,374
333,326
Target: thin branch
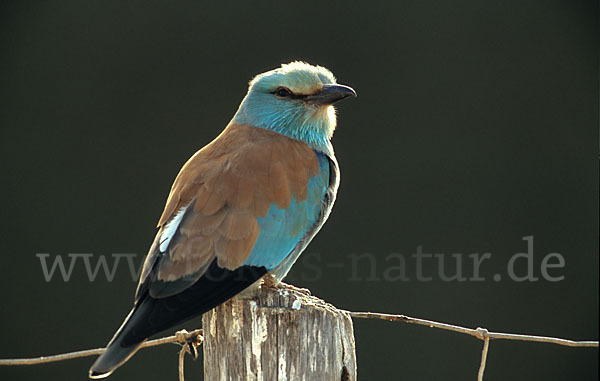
190,345
181,337
182,352
484,352
194,339
479,333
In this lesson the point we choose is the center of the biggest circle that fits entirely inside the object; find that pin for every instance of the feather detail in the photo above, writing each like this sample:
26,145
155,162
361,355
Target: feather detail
169,230
222,200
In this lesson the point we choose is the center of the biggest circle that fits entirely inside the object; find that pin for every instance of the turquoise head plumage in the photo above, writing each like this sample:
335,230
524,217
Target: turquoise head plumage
295,100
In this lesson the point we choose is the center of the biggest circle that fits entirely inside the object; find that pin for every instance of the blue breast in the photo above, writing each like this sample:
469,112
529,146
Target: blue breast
282,229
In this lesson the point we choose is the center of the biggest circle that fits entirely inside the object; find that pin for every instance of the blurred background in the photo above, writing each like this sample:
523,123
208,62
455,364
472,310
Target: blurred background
476,125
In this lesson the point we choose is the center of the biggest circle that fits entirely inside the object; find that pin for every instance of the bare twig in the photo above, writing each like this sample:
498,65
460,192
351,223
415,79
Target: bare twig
181,359
480,333
484,352
191,340
181,337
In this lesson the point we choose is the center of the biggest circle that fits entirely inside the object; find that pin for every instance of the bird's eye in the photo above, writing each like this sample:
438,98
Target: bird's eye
283,92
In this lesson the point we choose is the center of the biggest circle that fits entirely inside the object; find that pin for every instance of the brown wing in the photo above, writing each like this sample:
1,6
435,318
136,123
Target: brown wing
215,201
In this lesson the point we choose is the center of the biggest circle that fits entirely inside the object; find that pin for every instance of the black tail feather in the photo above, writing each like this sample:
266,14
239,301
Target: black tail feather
151,316
116,352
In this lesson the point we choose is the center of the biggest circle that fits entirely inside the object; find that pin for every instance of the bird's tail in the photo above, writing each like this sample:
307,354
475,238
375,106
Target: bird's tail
117,351
150,316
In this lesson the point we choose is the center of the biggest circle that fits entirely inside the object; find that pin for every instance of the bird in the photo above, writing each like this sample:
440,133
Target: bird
244,206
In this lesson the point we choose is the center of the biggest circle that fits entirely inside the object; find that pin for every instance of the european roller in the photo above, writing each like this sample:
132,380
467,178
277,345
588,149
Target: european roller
245,205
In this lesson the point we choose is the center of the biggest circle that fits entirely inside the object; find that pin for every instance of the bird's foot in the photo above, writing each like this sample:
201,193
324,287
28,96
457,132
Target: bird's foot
271,282
287,286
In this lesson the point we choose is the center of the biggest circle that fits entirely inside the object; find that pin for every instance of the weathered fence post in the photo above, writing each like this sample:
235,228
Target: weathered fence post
278,334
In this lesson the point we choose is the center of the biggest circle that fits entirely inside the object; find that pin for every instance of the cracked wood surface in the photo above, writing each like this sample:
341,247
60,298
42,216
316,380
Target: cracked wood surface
278,334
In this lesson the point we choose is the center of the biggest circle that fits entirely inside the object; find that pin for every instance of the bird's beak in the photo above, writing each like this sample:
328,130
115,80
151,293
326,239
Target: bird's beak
330,94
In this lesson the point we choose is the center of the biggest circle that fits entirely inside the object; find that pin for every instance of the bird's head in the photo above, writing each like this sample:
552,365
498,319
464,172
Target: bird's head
295,100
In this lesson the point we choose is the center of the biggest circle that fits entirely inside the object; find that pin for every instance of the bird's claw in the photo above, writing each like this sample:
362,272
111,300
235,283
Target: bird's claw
270,281
286,286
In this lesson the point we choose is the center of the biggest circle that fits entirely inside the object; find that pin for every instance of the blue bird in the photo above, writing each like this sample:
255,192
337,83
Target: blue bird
245,205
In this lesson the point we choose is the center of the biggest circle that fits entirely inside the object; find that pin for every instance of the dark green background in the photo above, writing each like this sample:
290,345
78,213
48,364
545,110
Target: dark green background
476,125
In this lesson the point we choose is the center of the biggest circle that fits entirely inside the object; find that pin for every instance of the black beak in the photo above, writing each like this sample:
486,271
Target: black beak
330,94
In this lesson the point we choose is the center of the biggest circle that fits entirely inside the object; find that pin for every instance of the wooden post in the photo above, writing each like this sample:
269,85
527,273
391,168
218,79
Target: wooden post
278,334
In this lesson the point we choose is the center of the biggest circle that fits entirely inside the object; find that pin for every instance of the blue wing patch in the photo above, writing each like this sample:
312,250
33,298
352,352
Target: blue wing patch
282,229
